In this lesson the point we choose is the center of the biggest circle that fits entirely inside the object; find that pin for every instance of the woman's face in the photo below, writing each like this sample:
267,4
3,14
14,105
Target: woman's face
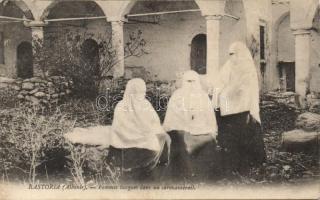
190,83
140,93
233,57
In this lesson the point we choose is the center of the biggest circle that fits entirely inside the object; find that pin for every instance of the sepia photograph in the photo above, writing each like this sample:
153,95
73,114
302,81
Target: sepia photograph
159,99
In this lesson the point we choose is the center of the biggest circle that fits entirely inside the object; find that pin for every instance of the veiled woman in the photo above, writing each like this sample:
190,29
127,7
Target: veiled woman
137,141
238,118
191,124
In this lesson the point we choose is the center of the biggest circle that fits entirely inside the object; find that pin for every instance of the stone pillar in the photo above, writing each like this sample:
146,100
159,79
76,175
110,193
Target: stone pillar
302,64
118,45
37,42
36,28
213,45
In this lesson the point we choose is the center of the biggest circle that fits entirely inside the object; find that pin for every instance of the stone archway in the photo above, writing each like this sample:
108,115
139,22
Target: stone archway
168,36
59,4
22,6
81,33
24,60
13,34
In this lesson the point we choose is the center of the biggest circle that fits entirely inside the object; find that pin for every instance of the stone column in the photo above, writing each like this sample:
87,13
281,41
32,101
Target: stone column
118,45
213,45
302,64
37,42
36,28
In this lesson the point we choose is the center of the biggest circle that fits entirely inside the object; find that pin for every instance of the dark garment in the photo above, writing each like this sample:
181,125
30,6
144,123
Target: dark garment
136,164
192,158
241,140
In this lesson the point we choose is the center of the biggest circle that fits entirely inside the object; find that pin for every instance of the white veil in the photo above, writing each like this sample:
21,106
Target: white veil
190,109
239,83
135,122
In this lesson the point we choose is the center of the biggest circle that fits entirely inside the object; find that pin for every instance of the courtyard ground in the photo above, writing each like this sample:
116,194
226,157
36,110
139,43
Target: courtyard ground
285,168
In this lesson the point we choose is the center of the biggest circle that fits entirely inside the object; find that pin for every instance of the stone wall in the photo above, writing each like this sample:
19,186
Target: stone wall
37,90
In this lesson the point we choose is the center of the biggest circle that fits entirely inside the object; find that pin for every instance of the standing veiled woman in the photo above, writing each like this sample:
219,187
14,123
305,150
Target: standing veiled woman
238,118
191,124
137,141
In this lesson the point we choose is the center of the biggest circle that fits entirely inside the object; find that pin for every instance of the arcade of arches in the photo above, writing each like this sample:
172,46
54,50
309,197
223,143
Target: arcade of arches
283,38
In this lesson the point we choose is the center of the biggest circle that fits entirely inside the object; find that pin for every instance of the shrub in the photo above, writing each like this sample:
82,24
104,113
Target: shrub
29,135
8,98
88,166
66,56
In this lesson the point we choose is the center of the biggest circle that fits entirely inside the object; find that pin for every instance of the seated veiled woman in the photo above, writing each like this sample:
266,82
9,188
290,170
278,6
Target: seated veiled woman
137,140
238,117
191,124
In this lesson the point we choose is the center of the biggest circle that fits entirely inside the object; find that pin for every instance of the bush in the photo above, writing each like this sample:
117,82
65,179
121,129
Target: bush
29,138
88,166
68,56
8,98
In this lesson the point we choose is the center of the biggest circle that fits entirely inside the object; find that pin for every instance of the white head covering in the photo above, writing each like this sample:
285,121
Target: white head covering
239,83
190,108
135,122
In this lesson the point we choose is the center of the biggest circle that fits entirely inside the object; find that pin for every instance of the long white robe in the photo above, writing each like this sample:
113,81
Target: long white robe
239,84
190,109
135,123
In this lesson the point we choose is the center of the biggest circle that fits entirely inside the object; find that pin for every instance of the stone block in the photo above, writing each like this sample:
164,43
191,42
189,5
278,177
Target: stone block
24,92
308,121
39,94
16,87
20,96
55,96
300,141
34,100
27,85
315,106
6,80
4,85
34,91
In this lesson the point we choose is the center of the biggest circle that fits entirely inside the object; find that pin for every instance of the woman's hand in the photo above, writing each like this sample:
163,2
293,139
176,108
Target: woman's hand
165,137
248,119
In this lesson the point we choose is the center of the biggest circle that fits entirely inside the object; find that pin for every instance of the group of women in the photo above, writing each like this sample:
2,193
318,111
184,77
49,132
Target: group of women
201,138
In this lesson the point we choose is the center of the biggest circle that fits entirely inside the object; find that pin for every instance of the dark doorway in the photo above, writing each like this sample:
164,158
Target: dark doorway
87,78
288,76
90,54
24,60
199,54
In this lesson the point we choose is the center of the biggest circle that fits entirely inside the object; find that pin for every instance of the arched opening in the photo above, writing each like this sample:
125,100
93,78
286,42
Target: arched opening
168,37
22,6
13,33
198,57
84,28
90,55
24,60
78,40
286,55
